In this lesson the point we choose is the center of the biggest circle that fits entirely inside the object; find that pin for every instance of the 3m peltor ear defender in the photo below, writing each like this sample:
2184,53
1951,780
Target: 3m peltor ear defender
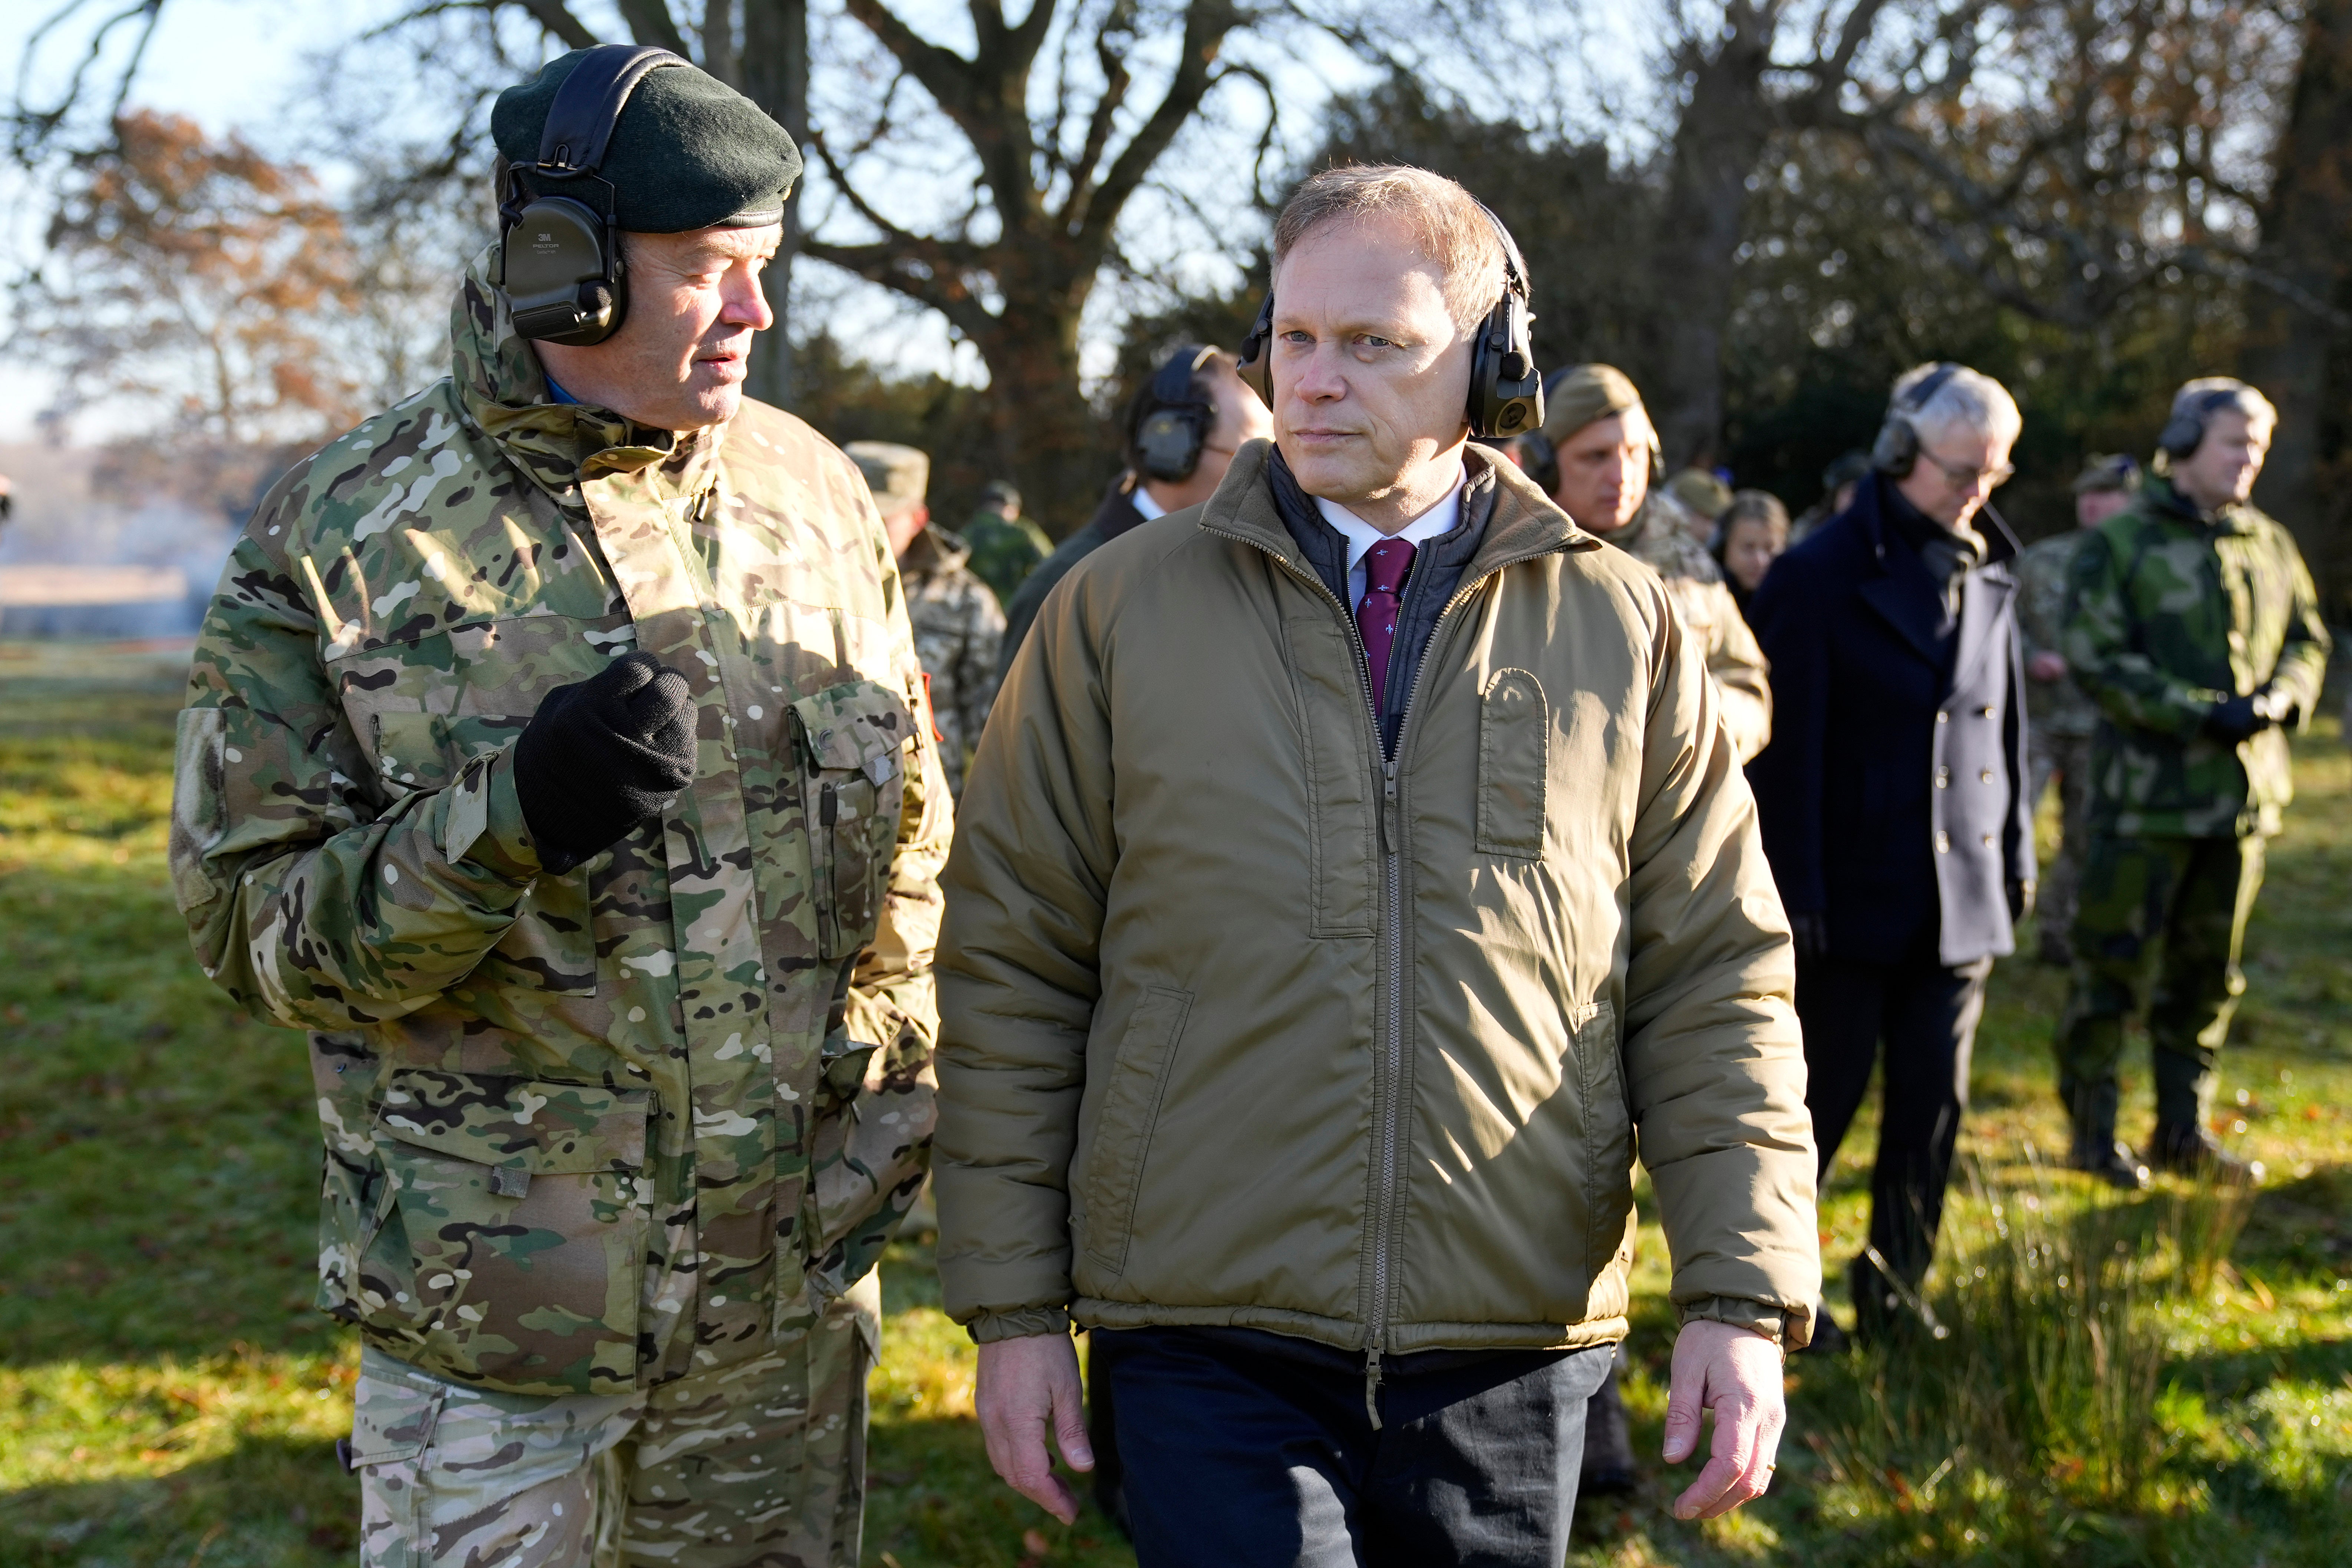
1506,392
1173,419
1897,450
559,256
2185,431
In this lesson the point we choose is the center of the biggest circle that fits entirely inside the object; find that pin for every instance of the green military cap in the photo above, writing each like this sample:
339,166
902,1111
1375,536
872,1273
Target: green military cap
898,476
2107,471
1582,393
1701,491
687,151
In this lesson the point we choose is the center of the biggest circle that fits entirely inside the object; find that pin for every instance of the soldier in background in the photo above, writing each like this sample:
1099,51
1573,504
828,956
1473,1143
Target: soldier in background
554,752
2058,741
1704,498
1005,546
1598,453
957,623
2193,624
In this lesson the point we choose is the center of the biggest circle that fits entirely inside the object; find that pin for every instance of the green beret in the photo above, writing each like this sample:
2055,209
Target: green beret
688,153
1701,491
2107,472
1586,393
897,475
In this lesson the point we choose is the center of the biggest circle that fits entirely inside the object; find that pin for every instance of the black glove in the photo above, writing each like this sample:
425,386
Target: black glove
1812,934
2237,719
2021,900
602,755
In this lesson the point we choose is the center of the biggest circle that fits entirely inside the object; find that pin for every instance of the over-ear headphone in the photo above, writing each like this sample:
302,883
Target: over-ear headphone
564,282
1897,450
2185,431
1171,419
1505,393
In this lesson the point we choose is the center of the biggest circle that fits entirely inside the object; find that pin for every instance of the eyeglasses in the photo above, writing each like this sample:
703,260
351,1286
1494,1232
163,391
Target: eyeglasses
1969,479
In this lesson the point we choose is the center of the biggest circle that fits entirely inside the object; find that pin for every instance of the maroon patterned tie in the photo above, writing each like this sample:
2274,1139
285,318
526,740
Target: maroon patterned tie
1385,566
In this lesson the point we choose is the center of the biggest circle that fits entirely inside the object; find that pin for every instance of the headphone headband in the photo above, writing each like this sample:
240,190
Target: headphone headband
1172,381
1915,399
587,107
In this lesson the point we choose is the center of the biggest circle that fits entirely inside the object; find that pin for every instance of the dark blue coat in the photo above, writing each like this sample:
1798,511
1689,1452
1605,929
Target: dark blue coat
1893,796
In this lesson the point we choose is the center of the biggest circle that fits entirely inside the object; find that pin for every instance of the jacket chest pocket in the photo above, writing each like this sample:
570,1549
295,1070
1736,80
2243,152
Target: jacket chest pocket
851,740
551,946
1514,747
510,1230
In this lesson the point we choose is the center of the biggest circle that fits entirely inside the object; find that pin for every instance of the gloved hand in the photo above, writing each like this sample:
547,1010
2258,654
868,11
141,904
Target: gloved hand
2021,900
1811,933
2237,719
2274,705
602,755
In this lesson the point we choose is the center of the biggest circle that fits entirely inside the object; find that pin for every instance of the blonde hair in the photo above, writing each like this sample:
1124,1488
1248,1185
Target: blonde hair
1448,227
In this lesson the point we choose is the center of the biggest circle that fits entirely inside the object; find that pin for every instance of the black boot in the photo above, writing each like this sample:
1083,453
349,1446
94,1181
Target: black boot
2110,1160
1828,1337
2186,1149
1877,1306
1609,1470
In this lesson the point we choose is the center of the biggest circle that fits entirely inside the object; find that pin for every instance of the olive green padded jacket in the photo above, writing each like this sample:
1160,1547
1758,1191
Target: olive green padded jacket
1242,1025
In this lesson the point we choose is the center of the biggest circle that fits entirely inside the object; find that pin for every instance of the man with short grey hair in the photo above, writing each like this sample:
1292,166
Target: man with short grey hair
1354,866
1894,795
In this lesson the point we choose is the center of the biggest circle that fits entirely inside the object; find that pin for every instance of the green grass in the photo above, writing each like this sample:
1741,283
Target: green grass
167,1396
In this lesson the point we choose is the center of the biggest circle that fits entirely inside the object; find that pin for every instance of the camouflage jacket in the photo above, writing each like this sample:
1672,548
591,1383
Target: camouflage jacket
959,630
1695,584
1004,554
2168,612
2056,707
587,1133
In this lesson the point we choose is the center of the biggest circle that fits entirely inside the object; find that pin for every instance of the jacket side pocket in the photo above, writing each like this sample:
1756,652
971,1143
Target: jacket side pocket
1514,742
852,741
1123,1135
1607,1138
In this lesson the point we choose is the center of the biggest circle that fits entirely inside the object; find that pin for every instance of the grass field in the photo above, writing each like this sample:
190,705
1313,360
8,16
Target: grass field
2166,1379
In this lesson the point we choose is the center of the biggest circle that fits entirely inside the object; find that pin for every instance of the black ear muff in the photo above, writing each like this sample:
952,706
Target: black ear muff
1896,451
560,254
1506,392
2185,431
1252,362
1174,421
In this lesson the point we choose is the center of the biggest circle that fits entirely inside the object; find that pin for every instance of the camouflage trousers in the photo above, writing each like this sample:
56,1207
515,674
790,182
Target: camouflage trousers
762,1463
2193,895
2066,758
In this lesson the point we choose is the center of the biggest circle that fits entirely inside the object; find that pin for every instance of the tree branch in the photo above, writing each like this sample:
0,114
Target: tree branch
1206,23
650,23
558,19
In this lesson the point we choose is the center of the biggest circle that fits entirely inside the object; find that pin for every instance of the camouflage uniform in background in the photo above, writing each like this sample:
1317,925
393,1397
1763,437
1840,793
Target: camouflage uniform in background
1004,554
1655,538
2058,738
959,630
2168,613
622,1140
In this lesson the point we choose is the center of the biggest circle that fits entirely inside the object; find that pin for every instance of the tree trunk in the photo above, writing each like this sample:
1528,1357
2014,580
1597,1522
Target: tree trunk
2291,350
1056,448
775,71
1723,132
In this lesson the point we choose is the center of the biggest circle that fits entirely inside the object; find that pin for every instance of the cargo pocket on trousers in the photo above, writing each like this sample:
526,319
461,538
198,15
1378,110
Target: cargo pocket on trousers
1130,1109
1514,741
512,1233
1608,1138
851,741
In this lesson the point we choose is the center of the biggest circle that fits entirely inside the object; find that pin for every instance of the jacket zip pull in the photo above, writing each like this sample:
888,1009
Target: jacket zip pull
1388,807
1372,1387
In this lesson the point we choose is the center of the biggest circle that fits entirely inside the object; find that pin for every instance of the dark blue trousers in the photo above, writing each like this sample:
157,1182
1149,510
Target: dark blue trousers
1243,1449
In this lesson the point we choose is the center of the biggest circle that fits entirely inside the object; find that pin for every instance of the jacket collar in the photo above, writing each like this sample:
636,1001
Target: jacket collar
1906,597
1523,523
2158,495
558,446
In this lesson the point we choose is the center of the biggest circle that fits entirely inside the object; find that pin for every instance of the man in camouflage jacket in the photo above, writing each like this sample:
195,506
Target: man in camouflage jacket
2058,741
1005,546
2193,625
959,629
614,1130
1603,450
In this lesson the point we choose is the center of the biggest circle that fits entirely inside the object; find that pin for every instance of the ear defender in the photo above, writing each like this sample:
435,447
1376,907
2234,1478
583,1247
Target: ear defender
1506,392
1168,441
1896,451
558,257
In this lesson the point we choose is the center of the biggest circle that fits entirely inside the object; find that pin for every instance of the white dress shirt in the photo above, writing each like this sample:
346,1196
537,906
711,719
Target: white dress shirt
1443,518
1140,498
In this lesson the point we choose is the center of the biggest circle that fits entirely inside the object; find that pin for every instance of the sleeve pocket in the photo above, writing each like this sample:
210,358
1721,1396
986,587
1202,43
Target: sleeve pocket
1514,742
199,805
852,741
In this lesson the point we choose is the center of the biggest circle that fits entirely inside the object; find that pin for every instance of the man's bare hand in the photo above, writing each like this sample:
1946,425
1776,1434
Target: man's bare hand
1026,1388
1737,1374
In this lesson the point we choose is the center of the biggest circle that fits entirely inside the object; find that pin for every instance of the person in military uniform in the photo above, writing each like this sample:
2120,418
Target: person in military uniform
2193,624
2058,739
556,753
1598,453
1704,498
958,627
1005,546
